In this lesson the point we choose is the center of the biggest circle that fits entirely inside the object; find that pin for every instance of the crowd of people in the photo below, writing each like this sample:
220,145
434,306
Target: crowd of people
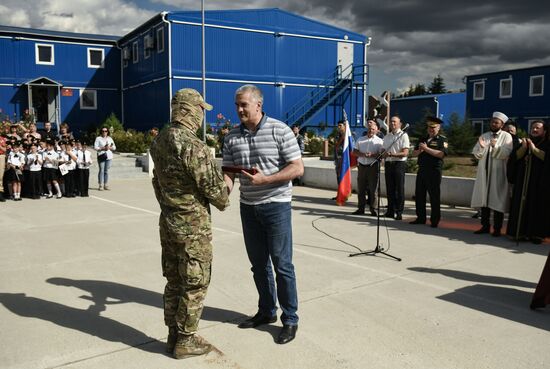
45,164
511,175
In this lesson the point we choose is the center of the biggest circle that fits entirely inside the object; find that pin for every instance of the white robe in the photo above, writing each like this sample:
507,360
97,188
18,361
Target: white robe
492,190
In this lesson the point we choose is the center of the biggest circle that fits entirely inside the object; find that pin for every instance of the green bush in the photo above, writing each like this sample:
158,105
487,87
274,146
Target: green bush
131,141
314,145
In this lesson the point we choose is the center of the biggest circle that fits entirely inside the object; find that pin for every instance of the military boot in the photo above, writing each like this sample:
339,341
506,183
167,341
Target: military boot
172,338
190,345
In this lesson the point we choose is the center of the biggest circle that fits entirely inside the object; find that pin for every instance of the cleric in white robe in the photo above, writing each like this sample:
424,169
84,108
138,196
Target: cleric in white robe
491,188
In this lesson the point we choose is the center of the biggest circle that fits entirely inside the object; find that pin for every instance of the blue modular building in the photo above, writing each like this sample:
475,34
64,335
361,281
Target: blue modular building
414,109
522,94
309,71
59,76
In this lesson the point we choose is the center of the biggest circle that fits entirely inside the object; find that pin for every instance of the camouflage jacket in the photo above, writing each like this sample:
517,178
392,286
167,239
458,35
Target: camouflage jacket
186,179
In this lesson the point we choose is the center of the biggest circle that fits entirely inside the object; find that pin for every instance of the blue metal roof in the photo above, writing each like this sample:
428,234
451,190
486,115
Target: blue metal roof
471,76
419,97
32,32
269,19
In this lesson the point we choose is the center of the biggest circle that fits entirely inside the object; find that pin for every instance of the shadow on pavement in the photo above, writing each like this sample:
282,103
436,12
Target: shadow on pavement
90,320
85,321
506,303
104,293
472,277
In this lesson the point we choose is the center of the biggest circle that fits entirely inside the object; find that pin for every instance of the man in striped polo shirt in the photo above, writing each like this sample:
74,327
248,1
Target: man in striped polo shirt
268,146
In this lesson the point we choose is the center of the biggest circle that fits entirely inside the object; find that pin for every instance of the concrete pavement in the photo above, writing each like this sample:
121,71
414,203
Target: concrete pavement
81,287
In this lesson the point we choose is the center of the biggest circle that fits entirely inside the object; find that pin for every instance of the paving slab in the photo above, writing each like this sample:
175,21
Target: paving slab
81,287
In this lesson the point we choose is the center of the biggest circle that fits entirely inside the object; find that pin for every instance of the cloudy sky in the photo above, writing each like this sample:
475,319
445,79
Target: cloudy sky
412,40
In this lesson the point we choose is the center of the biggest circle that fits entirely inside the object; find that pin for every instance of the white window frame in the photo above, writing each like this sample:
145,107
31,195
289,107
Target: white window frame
482,83
135,52
37,56
160,40
90,65
478,122
146,50
82,107
541,76
501,95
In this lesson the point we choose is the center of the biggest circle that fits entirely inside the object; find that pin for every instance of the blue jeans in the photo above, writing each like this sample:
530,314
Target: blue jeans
267,232
103,174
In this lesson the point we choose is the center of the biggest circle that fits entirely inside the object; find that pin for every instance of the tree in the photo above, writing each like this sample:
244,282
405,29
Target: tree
461,135
416,90
437,86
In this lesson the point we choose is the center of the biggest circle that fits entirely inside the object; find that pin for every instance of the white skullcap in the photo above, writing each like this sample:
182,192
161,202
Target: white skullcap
500,116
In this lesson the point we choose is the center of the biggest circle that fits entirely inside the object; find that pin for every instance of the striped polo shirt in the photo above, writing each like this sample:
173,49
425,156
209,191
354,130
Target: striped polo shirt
268,149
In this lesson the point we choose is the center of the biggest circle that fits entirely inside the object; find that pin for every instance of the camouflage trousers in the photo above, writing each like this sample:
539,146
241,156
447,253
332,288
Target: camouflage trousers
186,265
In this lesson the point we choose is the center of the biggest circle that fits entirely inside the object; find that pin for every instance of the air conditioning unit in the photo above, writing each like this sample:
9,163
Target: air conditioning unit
148,41
126,53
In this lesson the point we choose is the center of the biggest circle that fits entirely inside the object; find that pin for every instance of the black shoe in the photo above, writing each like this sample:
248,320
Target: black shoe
373,213
2,199
334,198
398,216
256,320
496,233
388,215
434,225
418,221
358,212
482,230
536,240
288,333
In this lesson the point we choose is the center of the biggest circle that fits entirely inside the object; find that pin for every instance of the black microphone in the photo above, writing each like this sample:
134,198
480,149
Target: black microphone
405,128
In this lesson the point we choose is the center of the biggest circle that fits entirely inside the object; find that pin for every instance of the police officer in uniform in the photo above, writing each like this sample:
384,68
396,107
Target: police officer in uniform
186,181
430,151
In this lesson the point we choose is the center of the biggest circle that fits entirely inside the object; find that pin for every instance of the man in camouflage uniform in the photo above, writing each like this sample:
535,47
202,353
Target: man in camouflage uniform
186,180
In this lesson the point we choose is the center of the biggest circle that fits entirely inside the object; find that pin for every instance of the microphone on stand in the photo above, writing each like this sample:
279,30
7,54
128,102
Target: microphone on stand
405,128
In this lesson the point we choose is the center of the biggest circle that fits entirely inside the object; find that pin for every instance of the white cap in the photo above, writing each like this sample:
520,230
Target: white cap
500,116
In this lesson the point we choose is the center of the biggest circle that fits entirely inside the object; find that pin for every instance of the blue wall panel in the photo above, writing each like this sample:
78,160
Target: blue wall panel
520,107
155,66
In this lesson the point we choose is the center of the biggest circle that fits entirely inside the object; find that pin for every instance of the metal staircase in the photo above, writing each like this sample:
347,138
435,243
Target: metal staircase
341,81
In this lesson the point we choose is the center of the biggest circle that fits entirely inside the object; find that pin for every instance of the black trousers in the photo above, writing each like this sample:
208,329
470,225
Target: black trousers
35,184
367,186
395,185
83,181
428,180
498,218
69,183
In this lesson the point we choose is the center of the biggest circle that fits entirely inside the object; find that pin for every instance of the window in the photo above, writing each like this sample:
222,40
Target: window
478,126
479,90
88,99
96,58
44,54
160,40
147,40
135,50
536,86
505,88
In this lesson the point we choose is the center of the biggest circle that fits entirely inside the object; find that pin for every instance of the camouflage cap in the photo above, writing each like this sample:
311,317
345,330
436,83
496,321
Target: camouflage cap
191,97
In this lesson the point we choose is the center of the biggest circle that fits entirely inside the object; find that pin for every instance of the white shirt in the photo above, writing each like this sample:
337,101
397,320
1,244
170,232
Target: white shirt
34,162
100,143
52,157
16,158
401,143
83,159
367,144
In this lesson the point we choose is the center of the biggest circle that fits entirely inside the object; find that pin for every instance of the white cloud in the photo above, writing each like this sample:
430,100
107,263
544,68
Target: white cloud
87,16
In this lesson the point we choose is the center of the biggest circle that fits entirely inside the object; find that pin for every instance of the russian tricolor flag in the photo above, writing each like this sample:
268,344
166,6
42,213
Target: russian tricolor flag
344,188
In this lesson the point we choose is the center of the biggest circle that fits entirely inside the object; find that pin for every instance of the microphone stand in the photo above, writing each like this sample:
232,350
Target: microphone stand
379,249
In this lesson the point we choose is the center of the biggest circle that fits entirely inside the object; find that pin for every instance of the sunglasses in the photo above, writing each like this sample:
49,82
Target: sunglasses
104,130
